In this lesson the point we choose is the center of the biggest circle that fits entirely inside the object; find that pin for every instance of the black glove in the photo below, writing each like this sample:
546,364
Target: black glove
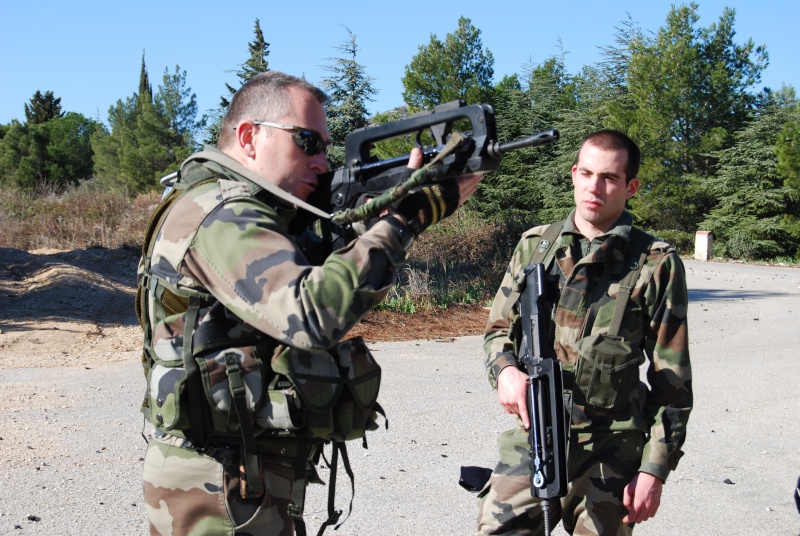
429,204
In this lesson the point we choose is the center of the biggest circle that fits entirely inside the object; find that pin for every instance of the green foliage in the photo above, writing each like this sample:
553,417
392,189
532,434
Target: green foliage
256,63
680,240
150,135
787,149
53,154
349,89
536,179
687,94
400,145
42,108
458,68
755,213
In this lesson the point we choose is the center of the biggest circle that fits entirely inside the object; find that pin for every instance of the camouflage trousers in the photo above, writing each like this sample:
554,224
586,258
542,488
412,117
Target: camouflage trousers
599,470
187,491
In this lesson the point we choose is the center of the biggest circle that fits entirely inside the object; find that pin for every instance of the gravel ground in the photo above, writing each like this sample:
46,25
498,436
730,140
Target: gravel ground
71,444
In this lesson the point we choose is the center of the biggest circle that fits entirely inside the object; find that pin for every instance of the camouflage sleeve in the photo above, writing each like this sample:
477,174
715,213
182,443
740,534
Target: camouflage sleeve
497,343
242,255
669,374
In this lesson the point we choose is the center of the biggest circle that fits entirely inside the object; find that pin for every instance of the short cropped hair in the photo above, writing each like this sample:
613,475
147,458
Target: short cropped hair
614,140
263,98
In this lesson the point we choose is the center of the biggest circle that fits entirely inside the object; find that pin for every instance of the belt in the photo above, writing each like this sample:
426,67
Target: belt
276,447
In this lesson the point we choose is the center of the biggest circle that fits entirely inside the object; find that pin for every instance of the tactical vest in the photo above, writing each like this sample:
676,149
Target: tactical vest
607,370
253,392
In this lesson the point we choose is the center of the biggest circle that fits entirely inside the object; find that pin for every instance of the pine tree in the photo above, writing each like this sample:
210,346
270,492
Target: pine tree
349,89
457,69
687,93
256,63
755,209
145,94
43,108
150,135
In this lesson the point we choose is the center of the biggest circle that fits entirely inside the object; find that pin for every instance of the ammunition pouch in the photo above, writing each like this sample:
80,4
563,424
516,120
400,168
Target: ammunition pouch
606,373
329,395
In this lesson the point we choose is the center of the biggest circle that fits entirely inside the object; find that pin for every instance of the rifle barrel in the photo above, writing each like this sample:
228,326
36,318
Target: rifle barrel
497,149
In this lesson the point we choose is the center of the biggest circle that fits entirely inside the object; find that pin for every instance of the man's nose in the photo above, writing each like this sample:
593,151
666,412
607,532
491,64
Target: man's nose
594,182
319,163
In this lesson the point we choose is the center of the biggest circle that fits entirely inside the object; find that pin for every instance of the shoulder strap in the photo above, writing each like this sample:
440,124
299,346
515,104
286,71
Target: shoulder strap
218,161
549,237
546,242
640,242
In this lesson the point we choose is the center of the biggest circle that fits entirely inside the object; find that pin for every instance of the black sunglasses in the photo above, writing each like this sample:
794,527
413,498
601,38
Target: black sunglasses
308,140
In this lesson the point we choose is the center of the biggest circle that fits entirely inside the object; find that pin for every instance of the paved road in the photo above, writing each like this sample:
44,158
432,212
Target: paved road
71,447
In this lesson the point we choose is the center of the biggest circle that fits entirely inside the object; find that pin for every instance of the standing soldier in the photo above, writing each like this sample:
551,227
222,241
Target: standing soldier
244,318
624,438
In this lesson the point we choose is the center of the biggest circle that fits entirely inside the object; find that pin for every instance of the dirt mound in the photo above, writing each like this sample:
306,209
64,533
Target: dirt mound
68,308
65,308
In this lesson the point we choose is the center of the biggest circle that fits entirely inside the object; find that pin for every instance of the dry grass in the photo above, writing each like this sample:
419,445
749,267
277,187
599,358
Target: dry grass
460,261
82,217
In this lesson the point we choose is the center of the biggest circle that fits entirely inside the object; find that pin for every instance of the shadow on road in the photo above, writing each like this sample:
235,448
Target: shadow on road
699,295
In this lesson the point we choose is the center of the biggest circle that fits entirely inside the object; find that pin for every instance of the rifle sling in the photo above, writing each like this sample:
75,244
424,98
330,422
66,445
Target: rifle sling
640,242
546,242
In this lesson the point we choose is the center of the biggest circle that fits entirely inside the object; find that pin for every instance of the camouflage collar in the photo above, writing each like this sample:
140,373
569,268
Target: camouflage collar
217,160
622,227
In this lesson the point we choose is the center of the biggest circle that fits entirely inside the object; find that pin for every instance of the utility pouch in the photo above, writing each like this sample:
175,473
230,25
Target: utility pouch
325,394
607,372
167,395
218,370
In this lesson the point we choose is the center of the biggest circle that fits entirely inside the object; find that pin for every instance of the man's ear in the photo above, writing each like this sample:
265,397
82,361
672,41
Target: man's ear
633,187
245,138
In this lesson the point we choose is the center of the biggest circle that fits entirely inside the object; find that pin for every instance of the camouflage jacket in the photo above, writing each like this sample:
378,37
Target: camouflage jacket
654,320
221,239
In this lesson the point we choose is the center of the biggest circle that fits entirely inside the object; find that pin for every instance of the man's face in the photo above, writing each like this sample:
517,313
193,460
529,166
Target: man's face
278,158
600,189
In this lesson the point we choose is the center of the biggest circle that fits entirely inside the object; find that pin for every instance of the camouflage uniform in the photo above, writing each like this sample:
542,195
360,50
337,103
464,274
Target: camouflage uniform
606,449
269,288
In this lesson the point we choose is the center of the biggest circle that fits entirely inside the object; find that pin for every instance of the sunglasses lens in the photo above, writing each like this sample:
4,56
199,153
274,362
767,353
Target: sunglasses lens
310,142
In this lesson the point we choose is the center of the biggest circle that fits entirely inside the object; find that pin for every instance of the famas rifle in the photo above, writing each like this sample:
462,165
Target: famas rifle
548,454
365,186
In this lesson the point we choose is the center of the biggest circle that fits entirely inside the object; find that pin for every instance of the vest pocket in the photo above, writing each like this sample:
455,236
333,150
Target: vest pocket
168,397
331,394
606,372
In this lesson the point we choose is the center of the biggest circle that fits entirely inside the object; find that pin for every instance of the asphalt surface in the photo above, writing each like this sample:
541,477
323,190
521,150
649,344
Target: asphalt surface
71,447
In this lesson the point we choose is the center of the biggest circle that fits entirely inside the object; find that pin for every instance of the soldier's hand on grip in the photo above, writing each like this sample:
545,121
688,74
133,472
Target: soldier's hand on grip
429,204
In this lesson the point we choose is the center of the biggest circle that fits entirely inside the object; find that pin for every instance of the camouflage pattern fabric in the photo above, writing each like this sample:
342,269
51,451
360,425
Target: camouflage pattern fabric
265,290
187,491
654,320
220,239
599,470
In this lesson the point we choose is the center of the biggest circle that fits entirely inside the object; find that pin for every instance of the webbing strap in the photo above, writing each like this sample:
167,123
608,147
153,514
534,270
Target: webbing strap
251,481
546,242
194,384
640,242
333,513
298,501
549,238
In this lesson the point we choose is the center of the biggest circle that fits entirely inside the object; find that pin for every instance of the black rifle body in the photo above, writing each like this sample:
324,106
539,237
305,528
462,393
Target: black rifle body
364,177
548,454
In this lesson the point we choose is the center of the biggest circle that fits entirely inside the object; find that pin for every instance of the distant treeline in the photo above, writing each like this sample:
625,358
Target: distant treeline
719,153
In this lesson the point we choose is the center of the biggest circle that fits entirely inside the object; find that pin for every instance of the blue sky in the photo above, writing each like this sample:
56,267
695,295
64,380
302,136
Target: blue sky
89,53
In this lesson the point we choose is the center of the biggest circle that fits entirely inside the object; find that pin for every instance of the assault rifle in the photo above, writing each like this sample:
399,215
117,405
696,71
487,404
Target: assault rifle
548,454
342,193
